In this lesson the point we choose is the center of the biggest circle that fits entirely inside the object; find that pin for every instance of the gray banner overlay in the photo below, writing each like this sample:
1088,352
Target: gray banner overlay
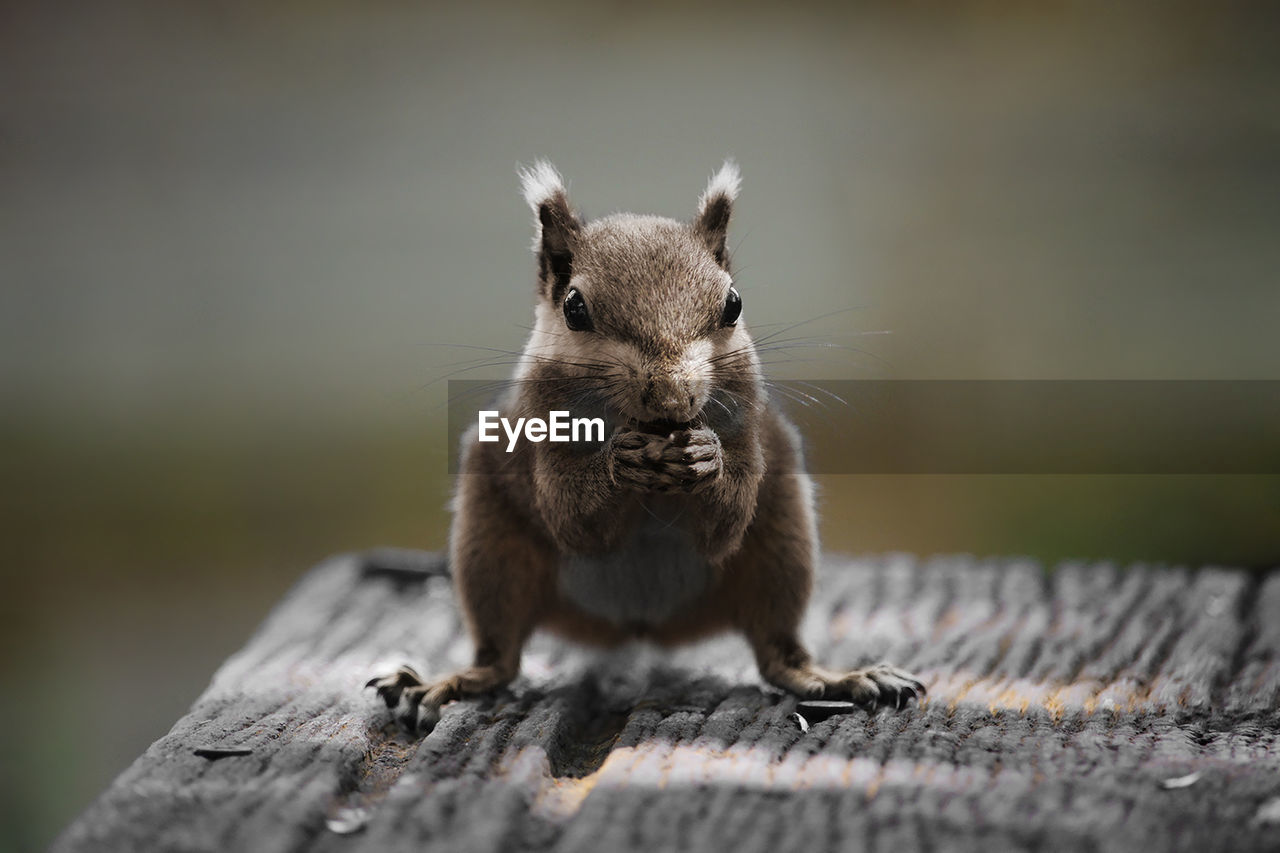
1001,426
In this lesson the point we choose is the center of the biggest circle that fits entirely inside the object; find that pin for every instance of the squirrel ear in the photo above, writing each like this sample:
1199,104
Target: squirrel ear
557,228
714,208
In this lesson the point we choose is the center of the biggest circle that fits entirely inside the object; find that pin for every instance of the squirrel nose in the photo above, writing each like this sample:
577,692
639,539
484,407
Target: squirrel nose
670,398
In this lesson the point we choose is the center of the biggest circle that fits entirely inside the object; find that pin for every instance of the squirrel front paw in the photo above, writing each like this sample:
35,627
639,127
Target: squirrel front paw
686,460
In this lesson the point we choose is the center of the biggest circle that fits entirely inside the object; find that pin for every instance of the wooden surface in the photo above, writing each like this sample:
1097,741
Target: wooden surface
1088,709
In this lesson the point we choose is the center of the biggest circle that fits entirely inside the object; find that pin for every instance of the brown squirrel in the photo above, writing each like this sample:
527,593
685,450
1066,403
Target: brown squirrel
694,516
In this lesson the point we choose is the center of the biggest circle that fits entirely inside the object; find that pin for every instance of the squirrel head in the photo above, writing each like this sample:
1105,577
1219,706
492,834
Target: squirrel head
643,307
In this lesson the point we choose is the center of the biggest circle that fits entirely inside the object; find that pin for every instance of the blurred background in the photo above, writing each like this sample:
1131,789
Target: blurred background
242,245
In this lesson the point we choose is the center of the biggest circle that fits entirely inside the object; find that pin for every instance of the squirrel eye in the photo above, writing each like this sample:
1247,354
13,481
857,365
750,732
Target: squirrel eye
732,308
575,312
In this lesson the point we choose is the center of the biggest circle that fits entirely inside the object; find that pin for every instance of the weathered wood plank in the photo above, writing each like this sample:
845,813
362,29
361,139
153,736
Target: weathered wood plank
1059,707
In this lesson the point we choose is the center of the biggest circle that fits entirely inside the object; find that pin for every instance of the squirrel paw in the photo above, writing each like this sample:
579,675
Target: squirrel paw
879,685
406,696
686,460
873,686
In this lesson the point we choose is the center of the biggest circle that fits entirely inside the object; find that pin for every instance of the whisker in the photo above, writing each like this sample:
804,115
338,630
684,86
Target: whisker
819,389
800,323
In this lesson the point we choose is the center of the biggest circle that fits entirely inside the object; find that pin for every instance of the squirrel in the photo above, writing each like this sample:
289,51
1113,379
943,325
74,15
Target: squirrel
694,516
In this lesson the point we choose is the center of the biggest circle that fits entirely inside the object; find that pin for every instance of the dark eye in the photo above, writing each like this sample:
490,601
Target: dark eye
732,308
575,312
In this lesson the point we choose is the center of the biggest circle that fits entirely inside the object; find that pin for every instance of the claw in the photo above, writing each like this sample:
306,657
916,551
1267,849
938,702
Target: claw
916,684
390,687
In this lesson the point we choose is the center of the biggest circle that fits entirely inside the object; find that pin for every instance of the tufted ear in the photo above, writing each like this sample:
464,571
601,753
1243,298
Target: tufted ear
714,209
557,227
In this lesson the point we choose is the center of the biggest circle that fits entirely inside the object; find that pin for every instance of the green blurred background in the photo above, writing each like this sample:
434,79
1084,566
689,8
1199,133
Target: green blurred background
239,241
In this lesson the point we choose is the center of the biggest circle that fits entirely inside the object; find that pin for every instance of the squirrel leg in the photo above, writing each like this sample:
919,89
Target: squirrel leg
772,576
502,576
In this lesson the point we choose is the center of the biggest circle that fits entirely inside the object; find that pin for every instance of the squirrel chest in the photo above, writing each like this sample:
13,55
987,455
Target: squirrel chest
654,572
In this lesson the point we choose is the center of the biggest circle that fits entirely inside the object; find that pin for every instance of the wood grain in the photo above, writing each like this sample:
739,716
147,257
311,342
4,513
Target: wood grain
1060,704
